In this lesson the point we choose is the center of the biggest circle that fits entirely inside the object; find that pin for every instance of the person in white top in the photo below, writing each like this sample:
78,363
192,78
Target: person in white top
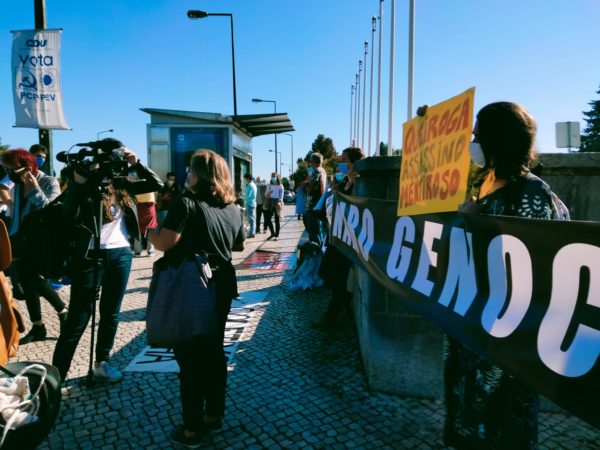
275,196
119,224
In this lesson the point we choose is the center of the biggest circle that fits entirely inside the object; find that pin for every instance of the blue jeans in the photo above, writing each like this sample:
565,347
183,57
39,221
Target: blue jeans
251,211
113,274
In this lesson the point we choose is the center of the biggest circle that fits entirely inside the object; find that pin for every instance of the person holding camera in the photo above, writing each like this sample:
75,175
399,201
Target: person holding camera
112,260
31,190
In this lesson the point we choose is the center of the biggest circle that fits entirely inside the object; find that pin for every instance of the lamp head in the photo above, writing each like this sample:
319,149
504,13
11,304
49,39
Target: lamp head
196,14
256,100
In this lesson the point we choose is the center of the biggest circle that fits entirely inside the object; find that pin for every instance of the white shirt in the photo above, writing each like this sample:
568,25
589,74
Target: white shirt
276,192
113,234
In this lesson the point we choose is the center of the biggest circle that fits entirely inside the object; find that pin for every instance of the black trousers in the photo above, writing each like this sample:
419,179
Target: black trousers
269,215
203,373
259,214
34,286
337,276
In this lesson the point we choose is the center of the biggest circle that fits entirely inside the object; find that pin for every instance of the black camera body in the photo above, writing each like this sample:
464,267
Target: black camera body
99,161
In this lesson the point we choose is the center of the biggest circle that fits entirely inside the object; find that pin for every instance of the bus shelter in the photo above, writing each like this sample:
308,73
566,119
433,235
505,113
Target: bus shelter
173,137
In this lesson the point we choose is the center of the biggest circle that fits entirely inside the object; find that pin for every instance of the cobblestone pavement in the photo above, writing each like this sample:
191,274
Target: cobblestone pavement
290,386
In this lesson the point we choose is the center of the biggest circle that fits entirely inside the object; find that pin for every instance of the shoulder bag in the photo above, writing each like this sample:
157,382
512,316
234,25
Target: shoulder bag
181,300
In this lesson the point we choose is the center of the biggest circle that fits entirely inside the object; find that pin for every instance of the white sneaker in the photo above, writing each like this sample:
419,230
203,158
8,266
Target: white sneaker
104,372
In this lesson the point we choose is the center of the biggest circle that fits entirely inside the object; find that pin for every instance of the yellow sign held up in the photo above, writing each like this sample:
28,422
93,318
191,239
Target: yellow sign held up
435,157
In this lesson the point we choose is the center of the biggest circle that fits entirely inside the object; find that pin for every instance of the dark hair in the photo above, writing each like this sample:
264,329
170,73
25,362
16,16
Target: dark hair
354,154
21,158
170,174
248,176
36,148
506,133
110,139
316,158
214,178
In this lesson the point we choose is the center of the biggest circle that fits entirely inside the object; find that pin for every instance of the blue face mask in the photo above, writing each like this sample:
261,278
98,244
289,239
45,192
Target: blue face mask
310,170
343,168
339,177
40,161
273,180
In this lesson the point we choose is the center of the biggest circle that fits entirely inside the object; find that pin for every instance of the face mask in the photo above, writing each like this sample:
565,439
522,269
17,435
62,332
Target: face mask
339,177
310,170
343,168
476,153
273,180
40,161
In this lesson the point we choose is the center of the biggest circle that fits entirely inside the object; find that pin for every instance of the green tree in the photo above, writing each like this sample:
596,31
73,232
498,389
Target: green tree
300,174
3,147
322,145
590,138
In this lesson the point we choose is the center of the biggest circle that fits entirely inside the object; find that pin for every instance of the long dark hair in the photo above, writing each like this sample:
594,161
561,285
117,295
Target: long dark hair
506,133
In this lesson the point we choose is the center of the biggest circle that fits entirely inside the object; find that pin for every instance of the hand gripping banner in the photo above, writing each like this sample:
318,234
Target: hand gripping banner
522,293
36,79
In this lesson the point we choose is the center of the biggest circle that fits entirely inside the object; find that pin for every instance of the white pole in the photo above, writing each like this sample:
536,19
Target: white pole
362,142
373,22
411,55
378,127
351,111
355,112
390,148
360,66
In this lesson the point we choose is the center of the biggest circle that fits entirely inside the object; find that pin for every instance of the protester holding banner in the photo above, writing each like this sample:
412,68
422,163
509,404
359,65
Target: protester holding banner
485,406
314,188
335,266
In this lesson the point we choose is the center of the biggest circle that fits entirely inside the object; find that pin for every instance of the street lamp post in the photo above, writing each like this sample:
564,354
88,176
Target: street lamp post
196,14
276,163
102,132
259,100
292,160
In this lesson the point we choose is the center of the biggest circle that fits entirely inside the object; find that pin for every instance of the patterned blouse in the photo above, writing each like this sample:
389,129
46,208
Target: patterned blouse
486,407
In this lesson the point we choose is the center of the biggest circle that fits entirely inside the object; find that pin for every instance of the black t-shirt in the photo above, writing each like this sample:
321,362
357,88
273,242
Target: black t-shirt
215,230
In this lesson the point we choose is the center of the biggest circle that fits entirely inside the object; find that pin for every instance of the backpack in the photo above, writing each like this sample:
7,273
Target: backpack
45,240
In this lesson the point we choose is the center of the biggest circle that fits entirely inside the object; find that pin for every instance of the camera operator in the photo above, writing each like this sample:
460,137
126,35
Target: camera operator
31,190
119,222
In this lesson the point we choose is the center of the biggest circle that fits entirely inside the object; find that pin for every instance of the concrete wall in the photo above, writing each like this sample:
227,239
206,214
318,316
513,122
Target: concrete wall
402,352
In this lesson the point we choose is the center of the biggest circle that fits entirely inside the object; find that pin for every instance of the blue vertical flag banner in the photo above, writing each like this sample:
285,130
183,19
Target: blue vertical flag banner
36,79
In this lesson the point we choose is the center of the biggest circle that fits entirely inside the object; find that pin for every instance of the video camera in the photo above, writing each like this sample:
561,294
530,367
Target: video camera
99,161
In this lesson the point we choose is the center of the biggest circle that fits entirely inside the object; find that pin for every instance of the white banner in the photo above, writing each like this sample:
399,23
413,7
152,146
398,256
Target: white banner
36,79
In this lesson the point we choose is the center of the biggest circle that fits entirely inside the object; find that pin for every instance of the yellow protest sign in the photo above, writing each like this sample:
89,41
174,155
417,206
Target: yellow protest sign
435,157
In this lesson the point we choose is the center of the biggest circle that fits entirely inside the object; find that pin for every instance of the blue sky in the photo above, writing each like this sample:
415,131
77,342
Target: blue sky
121,55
